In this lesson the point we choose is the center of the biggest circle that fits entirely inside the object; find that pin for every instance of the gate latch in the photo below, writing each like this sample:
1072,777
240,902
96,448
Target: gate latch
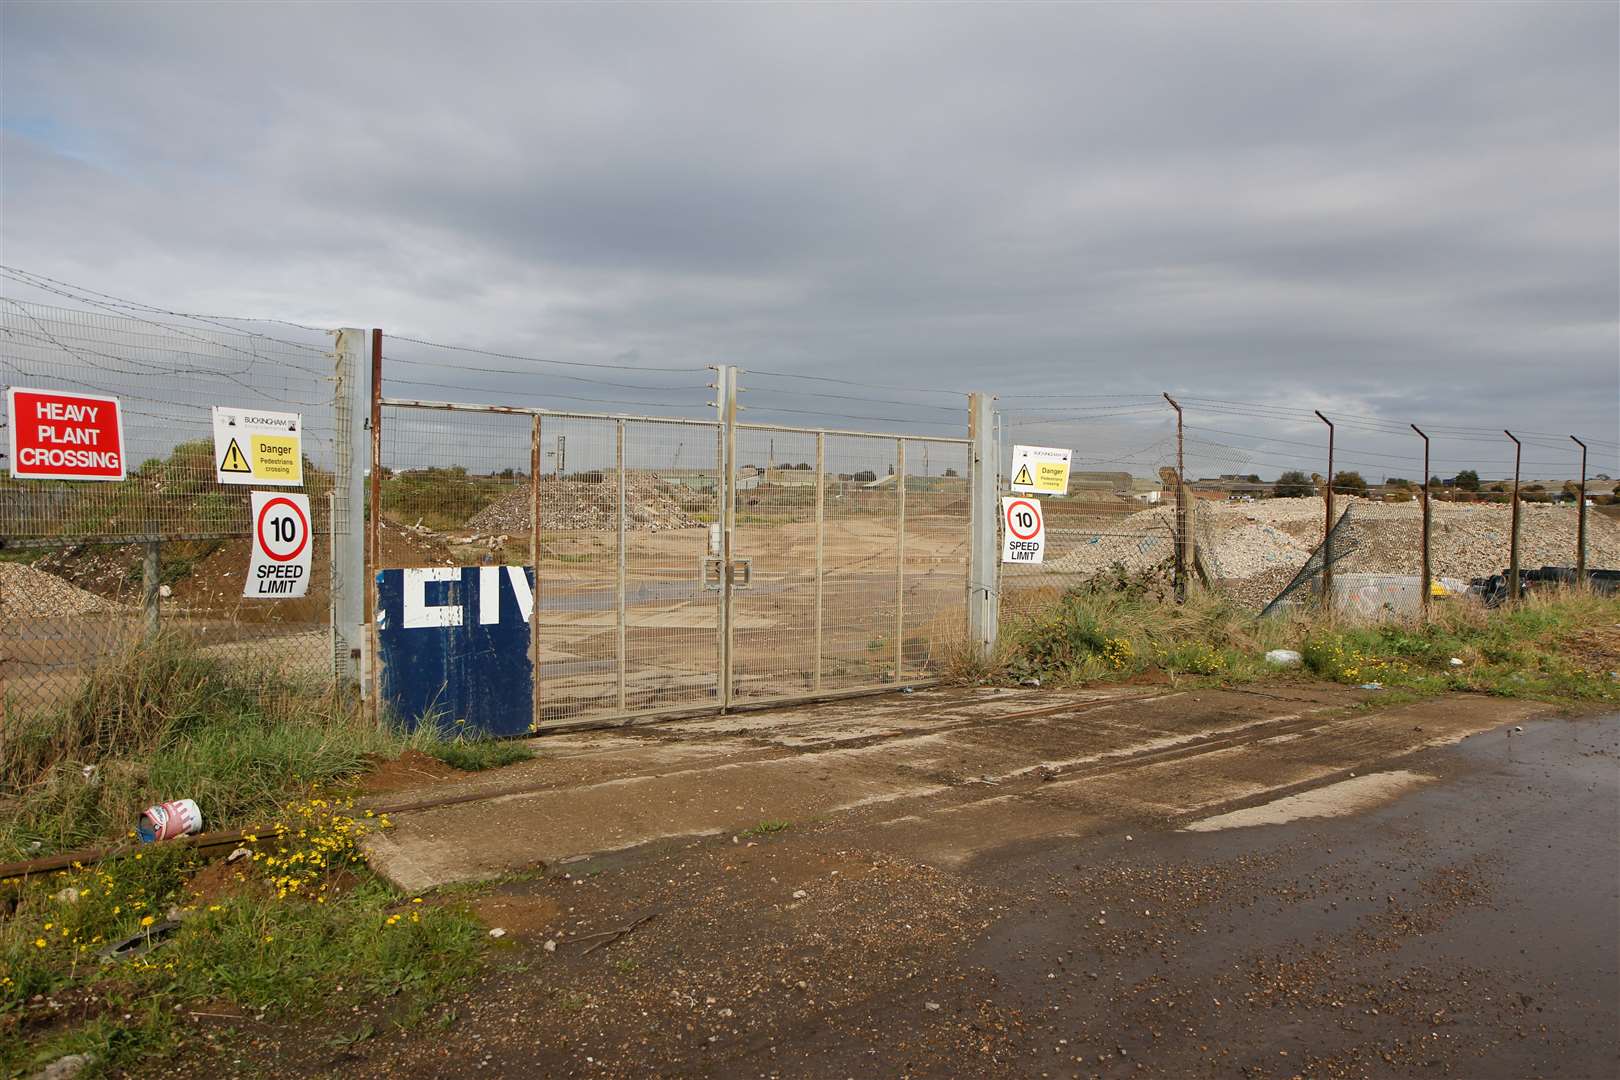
715,576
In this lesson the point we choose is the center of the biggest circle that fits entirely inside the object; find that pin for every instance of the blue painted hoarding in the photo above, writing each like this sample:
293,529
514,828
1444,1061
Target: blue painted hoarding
454,648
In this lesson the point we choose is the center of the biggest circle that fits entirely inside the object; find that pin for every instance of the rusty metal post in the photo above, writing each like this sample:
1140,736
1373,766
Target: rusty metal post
374,527
900,563
1580,522
1513,540
1327,528
1181,561
534,562
1428,573
150,587
821,534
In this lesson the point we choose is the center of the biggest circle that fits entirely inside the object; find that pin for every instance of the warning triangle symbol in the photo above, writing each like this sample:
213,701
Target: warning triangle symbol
1023,476
234,460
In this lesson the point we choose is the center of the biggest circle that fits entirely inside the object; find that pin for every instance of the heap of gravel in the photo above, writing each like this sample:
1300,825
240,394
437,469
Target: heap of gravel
651,505
1260,539
33,594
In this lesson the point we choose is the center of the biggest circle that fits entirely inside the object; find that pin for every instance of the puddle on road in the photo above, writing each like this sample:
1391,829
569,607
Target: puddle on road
1335,800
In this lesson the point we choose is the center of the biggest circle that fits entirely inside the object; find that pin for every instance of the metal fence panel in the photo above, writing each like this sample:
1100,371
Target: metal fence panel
73,573
860,583
938,532
670,621
774,619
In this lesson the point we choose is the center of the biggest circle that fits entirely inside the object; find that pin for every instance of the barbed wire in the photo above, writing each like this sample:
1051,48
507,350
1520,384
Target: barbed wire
535,359
108,302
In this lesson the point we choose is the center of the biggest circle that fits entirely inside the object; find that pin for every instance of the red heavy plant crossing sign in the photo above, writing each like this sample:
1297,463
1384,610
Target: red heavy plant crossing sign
55,435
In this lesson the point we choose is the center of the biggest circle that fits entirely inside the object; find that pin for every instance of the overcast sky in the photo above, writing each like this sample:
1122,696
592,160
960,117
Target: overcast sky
1405,211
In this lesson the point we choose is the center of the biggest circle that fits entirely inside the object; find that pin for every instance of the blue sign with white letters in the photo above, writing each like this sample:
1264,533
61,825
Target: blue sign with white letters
454,648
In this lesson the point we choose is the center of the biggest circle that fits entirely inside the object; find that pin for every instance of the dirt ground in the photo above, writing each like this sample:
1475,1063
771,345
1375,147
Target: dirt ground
1436,895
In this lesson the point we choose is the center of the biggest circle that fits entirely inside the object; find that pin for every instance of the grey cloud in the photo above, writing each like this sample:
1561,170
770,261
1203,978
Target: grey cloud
1409,210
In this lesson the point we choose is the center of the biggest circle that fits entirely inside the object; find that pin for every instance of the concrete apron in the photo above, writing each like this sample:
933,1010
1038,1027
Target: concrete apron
941,776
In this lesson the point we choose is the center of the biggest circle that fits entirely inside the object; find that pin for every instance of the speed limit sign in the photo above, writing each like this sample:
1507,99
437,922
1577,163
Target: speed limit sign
279,568
1023,533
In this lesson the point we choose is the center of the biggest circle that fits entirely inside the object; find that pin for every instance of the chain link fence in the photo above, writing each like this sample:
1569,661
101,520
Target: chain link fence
90,569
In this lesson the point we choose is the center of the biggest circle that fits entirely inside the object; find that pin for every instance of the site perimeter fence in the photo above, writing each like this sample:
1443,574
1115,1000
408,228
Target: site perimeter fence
864,543
90,569
1263,544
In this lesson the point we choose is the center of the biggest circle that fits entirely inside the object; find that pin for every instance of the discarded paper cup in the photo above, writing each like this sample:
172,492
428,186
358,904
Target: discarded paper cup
165,821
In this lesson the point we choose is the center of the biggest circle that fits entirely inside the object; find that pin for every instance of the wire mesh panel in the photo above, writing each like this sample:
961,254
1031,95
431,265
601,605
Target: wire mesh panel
861,560
453,597
579,575
453,487
79,559
167,378
669,619
774,616
938,522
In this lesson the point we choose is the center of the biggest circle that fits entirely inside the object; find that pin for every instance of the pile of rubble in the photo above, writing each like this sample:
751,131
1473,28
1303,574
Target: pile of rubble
27,593
651,505
1245,541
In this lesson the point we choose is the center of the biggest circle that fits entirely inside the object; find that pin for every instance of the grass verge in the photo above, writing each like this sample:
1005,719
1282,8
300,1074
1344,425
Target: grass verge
297,927
1560,648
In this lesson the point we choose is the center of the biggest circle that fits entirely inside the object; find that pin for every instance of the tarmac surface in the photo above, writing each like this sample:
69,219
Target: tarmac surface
1299,886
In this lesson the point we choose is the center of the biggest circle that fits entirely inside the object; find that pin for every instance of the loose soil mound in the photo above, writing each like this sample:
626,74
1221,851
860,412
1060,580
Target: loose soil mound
412,769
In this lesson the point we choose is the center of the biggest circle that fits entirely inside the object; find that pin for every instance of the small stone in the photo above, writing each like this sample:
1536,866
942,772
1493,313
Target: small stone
550,946
497,932
931,1006
64,1068
799,894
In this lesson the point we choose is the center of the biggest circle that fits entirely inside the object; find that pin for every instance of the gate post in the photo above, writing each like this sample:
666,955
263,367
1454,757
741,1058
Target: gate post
983,599
900,562
821,533
727,405
349,439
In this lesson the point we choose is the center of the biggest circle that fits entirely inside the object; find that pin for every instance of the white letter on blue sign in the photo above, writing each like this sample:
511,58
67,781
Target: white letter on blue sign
417,613
520,589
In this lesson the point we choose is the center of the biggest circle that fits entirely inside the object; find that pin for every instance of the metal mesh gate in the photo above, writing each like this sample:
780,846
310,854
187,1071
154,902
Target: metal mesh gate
849,552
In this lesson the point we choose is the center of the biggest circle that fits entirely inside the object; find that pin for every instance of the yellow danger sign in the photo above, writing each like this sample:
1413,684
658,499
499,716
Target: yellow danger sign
234,462
275,458
256,447
1040,470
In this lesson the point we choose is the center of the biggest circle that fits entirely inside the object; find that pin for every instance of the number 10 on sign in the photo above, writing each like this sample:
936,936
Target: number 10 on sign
279,569
1023,532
